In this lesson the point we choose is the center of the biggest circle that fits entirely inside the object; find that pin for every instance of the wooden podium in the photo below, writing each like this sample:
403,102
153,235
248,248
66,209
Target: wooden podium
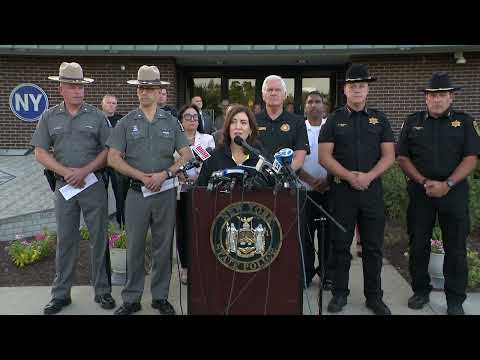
244,253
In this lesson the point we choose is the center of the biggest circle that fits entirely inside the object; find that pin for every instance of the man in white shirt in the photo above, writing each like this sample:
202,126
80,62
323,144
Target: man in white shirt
314,177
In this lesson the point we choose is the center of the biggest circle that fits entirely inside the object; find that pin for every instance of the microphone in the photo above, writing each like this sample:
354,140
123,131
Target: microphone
262,162
226,176
263,165
241,142
200,152
199,156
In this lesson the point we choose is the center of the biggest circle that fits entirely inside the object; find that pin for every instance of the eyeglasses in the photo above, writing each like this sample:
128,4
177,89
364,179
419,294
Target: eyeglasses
190,117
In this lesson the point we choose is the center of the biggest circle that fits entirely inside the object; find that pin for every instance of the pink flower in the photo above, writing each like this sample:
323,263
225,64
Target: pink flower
40,237
113,239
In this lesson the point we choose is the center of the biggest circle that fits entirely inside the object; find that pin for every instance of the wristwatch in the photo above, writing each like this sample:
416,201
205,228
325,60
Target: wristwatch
450,183
169,174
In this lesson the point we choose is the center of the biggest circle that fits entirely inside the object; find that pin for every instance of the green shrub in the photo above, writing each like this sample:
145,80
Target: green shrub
473,261
395,194
474,202
24,252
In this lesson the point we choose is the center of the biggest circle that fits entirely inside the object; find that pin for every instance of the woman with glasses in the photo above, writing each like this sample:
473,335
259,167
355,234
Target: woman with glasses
189,116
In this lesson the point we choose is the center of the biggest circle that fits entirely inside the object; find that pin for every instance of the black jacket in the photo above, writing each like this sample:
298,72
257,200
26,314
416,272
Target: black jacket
222,159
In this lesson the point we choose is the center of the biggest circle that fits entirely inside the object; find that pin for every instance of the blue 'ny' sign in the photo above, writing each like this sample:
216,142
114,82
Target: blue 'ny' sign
28,102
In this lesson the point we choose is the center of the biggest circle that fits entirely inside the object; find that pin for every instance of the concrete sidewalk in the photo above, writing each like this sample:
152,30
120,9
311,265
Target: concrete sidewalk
31,300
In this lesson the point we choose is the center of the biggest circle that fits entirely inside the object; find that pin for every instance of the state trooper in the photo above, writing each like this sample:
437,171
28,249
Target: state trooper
78,132
438,149
356,145
142,147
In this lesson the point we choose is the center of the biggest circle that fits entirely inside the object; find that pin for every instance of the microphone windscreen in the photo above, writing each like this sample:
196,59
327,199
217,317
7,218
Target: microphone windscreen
238,140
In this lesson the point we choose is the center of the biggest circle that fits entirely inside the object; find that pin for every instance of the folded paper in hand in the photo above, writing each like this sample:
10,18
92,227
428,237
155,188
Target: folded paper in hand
166,185
68,191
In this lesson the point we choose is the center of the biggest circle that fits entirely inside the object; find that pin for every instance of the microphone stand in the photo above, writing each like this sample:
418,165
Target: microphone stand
293,176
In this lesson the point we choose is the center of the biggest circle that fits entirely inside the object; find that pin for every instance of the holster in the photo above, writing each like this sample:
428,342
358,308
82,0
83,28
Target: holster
50,175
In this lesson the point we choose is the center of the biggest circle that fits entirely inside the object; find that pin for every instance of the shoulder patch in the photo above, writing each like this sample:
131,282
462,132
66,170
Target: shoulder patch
476,126
180,125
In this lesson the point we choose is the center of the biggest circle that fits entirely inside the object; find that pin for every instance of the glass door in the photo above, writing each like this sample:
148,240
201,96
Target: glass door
210,91
242,91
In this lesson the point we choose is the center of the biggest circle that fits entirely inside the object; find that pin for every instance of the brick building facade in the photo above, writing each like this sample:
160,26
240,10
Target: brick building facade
396,92
400,79
106,71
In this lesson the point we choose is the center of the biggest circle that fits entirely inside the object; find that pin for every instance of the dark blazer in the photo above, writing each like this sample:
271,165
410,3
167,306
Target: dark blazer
207,122
222,159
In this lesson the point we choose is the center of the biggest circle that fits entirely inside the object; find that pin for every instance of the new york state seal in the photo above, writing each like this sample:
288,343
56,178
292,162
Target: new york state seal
246,237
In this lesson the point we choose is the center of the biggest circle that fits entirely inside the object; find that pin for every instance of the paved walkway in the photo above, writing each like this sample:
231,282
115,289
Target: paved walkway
28,191
31,300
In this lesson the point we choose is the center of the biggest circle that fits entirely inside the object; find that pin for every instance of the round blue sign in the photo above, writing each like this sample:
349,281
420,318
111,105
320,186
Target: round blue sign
28,102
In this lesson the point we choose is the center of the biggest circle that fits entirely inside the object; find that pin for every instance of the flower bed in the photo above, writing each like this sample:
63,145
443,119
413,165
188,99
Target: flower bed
26,251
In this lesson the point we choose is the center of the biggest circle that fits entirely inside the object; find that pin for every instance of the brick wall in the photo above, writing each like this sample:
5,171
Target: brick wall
396,91
109,78
400,77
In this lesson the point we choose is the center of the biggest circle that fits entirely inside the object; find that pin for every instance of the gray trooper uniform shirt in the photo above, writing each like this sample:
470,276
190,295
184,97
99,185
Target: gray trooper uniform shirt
76,142
148,147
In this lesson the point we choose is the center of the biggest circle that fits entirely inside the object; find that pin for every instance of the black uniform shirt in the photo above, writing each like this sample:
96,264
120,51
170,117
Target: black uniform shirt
437,146
170,109
357,136
221,159
287,131
114,119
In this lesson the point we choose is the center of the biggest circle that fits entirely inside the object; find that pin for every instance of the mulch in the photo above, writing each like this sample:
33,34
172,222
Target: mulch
42,272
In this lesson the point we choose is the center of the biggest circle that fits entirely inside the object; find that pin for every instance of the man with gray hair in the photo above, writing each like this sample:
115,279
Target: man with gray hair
278,129
77,132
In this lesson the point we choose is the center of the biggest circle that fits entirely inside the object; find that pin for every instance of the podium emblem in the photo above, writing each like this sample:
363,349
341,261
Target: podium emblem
246,237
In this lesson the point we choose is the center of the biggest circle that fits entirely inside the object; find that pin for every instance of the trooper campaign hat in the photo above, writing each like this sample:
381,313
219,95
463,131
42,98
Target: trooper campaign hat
148,76
71,73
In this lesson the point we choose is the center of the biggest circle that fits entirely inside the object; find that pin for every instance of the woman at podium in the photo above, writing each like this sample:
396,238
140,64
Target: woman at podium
240,121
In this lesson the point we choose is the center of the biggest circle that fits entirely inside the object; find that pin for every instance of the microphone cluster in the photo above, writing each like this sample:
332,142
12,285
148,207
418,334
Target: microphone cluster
279,172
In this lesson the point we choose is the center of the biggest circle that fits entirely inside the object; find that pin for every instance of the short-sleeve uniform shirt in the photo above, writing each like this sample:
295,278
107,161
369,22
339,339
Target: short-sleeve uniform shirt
148,146
287,131
357,137
437,146
76,140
